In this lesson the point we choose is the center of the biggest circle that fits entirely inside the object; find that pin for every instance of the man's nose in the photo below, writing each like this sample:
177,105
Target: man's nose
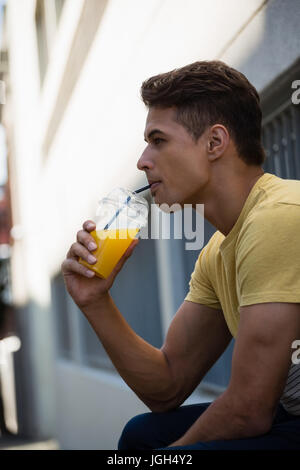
144,162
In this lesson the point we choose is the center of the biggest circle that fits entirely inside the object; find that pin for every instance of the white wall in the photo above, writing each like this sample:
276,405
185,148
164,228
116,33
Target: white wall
269,44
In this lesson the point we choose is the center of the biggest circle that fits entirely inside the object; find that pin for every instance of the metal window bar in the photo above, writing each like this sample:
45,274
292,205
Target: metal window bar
286,144
281,140
267,138
276,148
295,137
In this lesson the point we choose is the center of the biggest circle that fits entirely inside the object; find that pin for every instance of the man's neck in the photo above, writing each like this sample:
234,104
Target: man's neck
229,196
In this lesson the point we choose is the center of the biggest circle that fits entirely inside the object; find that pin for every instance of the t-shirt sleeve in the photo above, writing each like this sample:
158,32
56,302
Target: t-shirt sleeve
268,256
201,290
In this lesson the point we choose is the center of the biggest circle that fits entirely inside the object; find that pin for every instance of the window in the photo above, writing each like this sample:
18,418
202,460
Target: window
59,4
62,324
217,378
5,279
93,353
281,126
281,138
47,16
41,31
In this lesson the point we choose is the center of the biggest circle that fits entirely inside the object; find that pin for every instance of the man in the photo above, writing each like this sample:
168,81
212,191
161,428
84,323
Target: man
203,134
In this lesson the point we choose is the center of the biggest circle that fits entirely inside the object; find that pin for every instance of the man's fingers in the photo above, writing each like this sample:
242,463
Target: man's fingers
82,249
86,240
71,266
79,251
89,225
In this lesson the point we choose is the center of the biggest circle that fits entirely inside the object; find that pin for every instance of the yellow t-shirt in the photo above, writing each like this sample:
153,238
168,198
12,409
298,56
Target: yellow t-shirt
259,260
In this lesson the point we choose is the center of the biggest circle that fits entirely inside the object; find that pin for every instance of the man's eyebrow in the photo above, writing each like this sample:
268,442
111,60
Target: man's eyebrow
154,131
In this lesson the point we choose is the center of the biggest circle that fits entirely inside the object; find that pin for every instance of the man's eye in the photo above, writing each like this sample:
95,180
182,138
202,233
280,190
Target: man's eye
157,141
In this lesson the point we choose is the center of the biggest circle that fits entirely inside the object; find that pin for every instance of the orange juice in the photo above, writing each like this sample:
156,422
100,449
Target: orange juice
111,245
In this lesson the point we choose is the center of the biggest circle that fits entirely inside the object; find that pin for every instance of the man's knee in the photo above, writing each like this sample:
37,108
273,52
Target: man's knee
134,434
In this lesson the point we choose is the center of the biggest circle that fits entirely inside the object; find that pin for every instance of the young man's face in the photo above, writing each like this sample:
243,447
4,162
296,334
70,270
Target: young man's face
173,159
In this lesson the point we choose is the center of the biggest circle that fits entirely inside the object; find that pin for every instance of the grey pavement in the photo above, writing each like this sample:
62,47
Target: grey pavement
13,442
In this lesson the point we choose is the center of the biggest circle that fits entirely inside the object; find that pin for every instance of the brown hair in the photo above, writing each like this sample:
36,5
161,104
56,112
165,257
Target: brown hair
210,92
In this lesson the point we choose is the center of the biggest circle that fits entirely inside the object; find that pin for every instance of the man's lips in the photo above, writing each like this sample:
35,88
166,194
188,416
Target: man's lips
154,185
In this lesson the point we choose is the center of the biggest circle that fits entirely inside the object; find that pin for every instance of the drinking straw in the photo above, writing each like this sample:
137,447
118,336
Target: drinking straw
125,203
142,189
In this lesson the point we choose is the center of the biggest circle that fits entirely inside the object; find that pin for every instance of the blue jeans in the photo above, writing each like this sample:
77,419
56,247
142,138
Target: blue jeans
158,430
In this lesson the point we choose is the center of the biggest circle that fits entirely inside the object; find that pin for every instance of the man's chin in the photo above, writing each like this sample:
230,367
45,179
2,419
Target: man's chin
167,205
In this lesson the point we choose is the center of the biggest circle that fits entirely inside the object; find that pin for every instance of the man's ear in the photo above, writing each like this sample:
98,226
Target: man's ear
217,141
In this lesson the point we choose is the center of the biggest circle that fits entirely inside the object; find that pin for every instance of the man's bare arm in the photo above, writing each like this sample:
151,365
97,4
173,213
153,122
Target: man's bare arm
261,360
162,378
197,337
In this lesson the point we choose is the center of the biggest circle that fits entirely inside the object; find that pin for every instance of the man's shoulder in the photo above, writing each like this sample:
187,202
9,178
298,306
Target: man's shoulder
271,214
213,244
272,226
208,255
279,204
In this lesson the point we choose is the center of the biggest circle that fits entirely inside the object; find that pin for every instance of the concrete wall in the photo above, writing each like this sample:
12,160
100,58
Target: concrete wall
267,45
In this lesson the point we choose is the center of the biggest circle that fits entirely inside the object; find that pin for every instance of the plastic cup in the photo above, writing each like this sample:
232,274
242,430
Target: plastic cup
119,218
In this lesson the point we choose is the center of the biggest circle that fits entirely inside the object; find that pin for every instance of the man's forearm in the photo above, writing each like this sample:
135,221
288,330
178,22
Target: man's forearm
222,421
143,367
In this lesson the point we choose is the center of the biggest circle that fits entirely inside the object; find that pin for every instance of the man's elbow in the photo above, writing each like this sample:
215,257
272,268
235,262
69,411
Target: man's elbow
162,406
256,421
258,425
252,416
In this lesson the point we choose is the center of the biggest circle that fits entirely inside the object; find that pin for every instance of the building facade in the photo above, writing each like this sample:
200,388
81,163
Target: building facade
74,123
